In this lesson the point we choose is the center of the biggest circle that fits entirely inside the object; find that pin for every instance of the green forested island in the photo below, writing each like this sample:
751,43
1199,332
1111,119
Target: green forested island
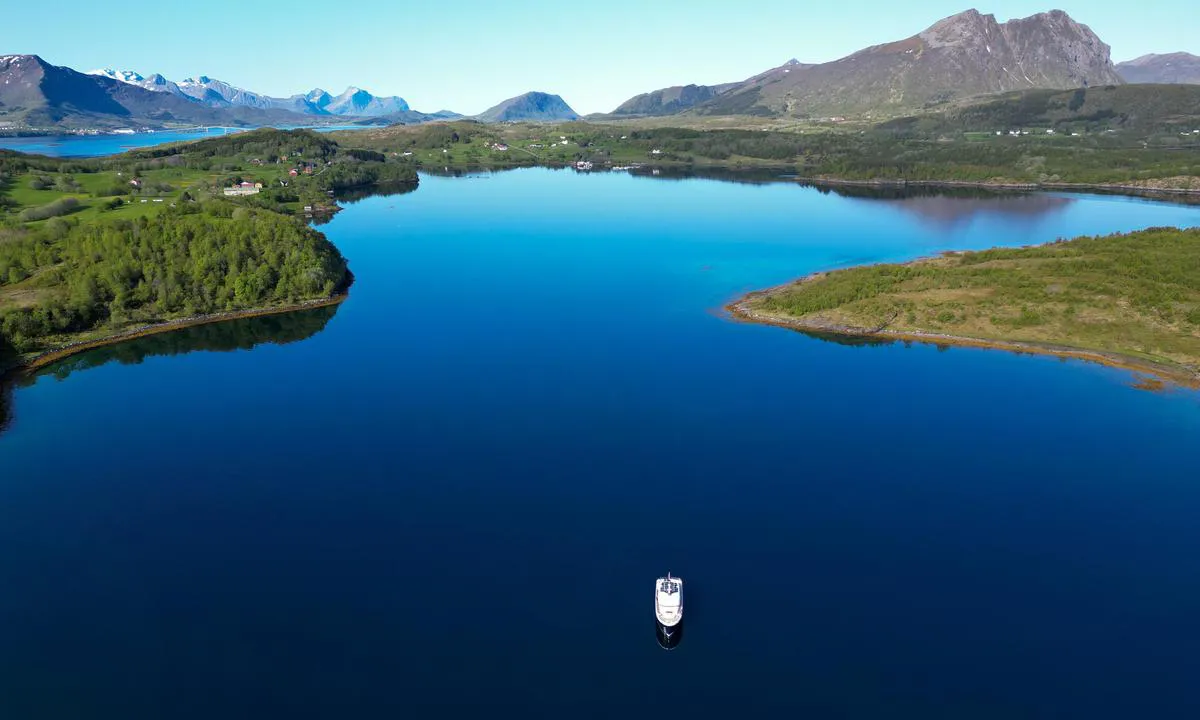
1126,299
92,248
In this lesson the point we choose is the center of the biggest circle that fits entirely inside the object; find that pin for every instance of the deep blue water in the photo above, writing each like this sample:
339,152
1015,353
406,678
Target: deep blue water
99,145
450,496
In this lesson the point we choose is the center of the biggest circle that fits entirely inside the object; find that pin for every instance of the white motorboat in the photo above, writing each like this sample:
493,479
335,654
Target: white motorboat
668,601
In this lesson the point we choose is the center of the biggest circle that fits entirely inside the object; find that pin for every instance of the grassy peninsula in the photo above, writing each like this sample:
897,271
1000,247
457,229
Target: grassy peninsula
1130,300
109,247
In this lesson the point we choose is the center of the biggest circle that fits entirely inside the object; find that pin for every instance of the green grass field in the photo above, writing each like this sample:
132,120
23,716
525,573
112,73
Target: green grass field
1136,295
163,187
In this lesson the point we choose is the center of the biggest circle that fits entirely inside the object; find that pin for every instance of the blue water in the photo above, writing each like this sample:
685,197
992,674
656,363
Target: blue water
450,496
101,145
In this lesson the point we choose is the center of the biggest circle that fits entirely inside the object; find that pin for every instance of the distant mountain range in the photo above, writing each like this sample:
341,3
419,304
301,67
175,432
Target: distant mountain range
34,93
353,102
530,107
155,82
958,60
963,56
1175,68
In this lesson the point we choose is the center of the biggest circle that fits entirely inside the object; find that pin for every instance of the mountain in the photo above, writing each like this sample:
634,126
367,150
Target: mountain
216,93
36,93
155,82
361,103
127,76
530,107
1181,67
962,56
219,94
319,99
672,100
676,99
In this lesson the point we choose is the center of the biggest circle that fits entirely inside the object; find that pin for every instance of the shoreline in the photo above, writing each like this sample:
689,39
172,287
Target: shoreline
785,174
1112,188
740,311
49,357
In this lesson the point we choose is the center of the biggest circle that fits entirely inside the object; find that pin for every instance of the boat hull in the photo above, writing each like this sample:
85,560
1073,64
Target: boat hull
668,610
668,637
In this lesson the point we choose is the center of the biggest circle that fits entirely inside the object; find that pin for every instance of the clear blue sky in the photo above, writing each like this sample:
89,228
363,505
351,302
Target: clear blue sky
466,55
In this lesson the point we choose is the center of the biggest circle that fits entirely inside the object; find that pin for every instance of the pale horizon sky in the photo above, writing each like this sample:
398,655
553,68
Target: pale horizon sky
469,55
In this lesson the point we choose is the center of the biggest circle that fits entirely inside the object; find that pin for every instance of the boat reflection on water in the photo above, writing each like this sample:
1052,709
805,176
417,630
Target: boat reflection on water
668,637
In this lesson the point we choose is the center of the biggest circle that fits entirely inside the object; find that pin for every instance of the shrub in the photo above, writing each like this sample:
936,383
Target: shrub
62,206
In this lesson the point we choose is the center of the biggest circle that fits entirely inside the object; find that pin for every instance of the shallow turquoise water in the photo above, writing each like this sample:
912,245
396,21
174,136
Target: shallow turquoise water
450,495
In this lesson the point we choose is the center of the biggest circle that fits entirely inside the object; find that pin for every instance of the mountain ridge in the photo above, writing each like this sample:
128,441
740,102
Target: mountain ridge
1170,68
354,101
961,56
36,93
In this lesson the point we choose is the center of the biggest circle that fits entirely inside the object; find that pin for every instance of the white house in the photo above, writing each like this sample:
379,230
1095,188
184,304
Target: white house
245,188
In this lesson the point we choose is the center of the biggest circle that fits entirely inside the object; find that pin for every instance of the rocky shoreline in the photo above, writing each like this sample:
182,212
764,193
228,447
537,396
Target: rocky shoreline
742,311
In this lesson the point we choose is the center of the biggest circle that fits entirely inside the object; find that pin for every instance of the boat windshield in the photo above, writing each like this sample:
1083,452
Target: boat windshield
669,587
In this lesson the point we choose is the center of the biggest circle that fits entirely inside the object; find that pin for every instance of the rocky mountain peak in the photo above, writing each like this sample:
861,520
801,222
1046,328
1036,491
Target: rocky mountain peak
965,28
16,61
962,56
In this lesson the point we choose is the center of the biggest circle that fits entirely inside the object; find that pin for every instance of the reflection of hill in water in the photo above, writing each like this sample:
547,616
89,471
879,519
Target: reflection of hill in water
215,337
848,340
8,357
349,197
949,212
745,176
382,190
945,207
5,405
